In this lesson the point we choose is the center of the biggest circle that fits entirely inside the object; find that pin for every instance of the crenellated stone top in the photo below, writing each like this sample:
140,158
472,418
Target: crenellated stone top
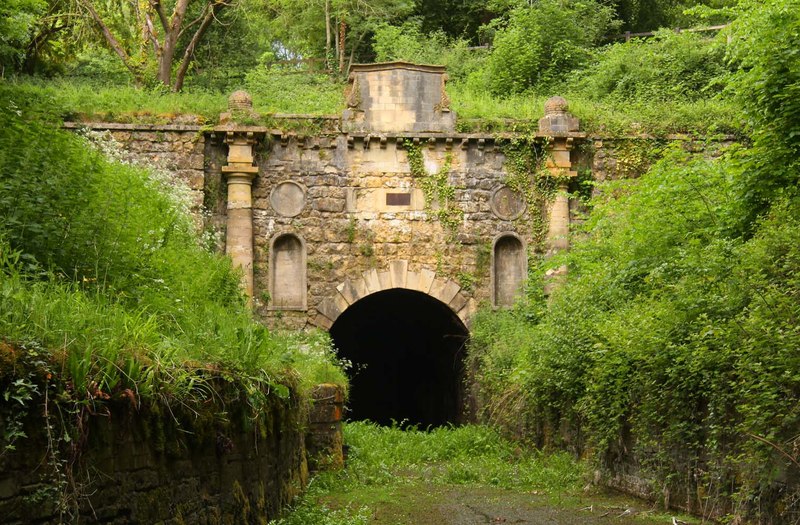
396,97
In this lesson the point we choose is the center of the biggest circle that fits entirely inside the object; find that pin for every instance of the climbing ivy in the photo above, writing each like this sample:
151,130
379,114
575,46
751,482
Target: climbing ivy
436,187
527,175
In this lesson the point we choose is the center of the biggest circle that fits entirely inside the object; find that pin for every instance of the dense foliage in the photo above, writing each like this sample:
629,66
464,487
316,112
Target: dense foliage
544,42
673,342
668,67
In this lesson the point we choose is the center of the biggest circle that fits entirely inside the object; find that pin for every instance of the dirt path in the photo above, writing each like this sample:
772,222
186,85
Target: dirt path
435,504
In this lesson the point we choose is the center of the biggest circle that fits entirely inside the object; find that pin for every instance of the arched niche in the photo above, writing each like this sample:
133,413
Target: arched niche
287,272
509,269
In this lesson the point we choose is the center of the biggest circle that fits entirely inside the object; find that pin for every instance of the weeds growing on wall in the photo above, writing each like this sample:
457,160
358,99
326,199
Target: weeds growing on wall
440,195
526,174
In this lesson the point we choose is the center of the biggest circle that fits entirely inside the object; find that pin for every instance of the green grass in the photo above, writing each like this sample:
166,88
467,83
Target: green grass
79,99
382,459
479,111
400,477
102,269
83,100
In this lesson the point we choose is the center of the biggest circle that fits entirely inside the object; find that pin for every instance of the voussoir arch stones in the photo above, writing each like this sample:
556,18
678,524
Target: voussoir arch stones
397,275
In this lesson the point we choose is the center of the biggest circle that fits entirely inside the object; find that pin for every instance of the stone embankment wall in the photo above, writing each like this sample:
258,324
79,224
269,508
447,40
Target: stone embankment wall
155,465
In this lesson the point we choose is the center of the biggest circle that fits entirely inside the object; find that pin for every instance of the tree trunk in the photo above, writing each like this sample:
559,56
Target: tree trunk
188,55
328,34
342,29
168,48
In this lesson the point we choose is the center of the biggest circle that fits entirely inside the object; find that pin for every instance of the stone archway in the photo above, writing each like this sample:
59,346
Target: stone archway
397,275
405,333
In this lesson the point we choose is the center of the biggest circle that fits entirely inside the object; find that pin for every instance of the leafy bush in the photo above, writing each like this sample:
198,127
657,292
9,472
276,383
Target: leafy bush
667,67
409,43
17,20
671,343
542,43
764,43
99,67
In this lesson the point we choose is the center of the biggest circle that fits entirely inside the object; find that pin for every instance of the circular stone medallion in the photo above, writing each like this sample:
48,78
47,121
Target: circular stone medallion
507,204
288,198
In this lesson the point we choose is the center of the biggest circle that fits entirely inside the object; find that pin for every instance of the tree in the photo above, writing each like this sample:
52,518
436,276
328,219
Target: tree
143,34
335,29
17,20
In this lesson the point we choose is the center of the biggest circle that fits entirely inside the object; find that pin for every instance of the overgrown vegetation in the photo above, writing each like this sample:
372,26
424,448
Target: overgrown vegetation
295,56
102,270
672,342
390,458
440,195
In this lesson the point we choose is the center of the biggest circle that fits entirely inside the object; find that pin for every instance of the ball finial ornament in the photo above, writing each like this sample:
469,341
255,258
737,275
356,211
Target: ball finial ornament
555,106
240,100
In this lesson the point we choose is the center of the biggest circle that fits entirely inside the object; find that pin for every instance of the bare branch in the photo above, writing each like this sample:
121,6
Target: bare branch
209,17
111,39
162,16
151,33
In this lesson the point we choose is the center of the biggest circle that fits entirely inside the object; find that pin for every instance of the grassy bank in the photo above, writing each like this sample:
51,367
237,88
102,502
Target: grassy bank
477,110
108,291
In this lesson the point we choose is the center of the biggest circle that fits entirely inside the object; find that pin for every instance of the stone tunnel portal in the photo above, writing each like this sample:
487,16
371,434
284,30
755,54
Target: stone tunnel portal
407,350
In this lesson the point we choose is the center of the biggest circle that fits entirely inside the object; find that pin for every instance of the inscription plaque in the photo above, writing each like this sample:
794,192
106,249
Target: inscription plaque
398,199
288,198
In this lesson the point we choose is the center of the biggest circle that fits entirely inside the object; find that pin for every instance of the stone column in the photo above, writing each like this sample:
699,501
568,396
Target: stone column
558,228
559,126
240,173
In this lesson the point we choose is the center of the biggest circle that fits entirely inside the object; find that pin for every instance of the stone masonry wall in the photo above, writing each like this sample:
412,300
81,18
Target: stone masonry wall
139,466
348,228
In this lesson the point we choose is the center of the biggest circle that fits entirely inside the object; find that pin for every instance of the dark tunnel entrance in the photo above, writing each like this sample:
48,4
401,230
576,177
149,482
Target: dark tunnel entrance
407,350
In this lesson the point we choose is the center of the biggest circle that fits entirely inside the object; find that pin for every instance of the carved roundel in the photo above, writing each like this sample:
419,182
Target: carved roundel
288,198
507,204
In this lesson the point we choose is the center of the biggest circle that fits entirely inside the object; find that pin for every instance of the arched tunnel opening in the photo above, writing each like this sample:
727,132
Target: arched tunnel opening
407,350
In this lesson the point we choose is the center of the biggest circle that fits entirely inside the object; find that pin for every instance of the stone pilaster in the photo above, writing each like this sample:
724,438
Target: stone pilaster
240,173
557,124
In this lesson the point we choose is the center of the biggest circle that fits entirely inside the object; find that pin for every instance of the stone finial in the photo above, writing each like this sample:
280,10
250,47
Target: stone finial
556,117
556,106
240,106
240,101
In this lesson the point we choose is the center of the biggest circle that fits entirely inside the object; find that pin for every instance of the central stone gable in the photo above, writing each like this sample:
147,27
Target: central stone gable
397,97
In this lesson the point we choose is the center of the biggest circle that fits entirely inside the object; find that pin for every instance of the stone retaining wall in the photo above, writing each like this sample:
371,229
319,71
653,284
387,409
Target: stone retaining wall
156,465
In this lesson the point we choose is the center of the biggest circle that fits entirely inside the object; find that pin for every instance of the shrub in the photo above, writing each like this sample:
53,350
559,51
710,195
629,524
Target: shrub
544,42
667,67
409,43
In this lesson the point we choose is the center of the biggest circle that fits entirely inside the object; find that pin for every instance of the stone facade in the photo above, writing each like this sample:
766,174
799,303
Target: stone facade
397,96
319,221
356,238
